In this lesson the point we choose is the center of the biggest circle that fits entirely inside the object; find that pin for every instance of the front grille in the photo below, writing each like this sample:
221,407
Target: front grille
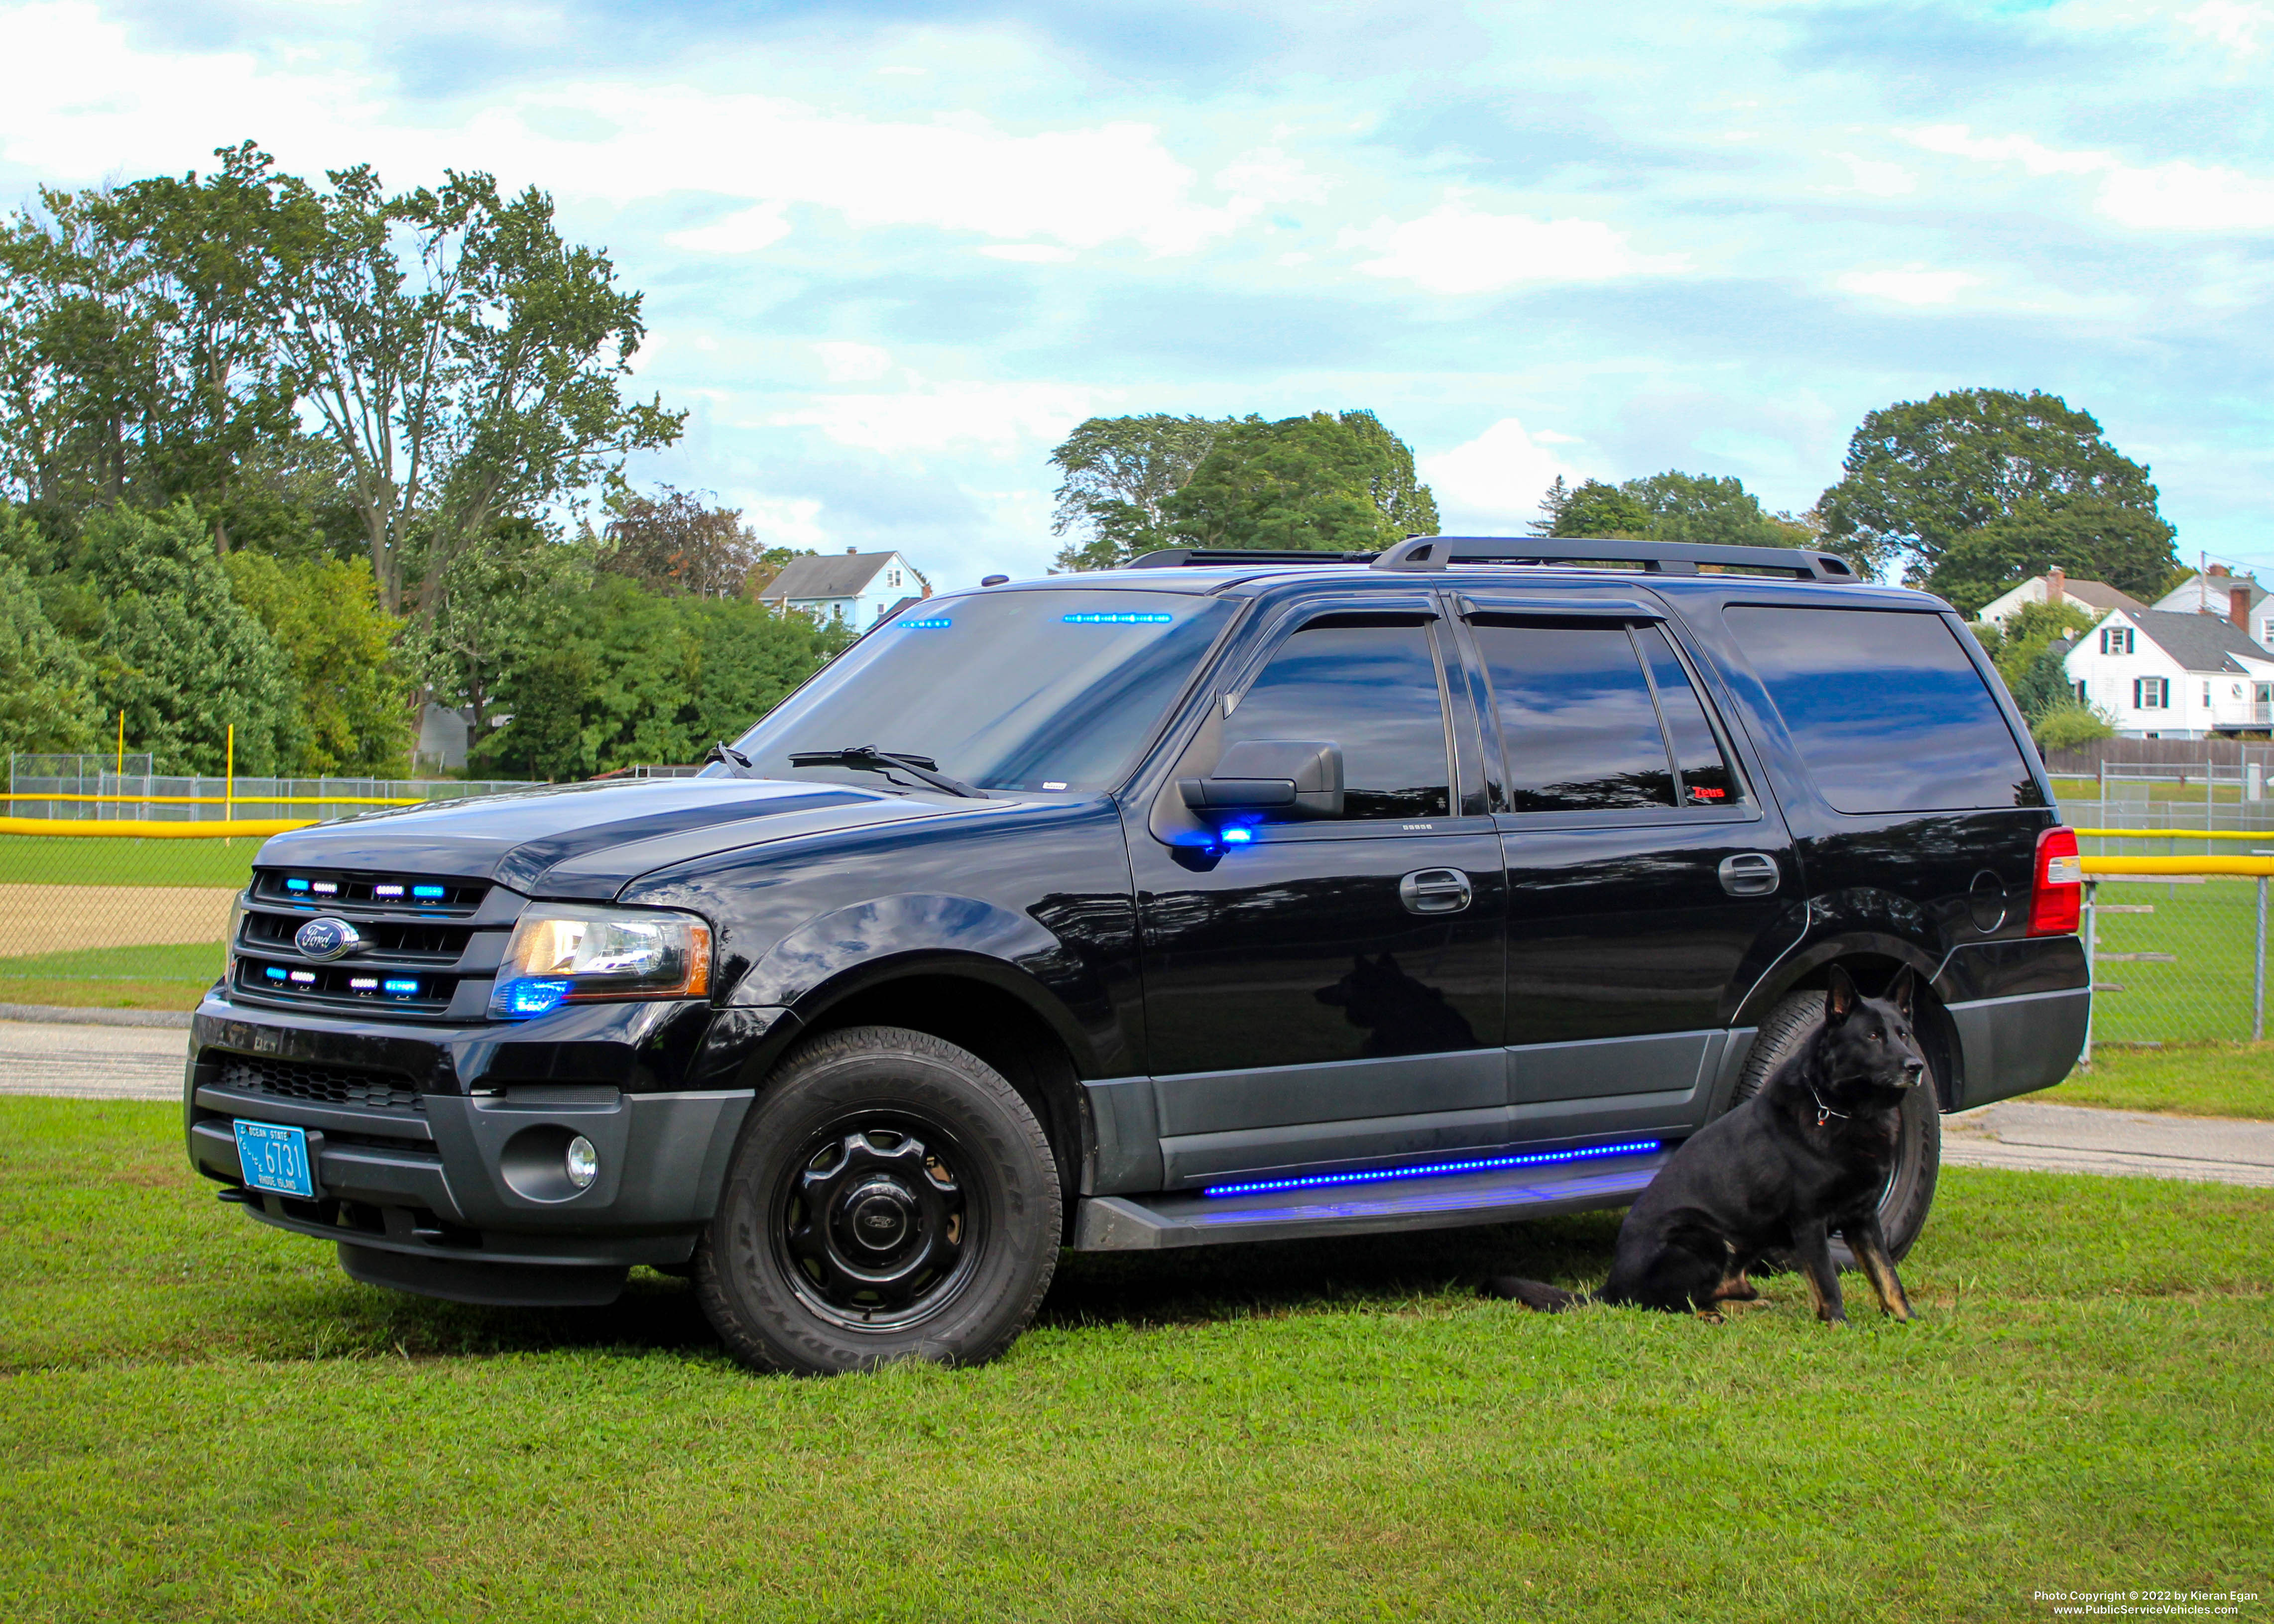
403,894
347,986
396,940
297,1079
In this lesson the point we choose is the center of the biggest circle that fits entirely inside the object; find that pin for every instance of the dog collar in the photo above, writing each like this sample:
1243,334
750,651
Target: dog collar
1822,1110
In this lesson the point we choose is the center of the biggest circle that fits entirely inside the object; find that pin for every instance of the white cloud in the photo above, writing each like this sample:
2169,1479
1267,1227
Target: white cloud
747,232
1456,249
1911,287
1000,417
1030,253
785,520
848,363
1875,178
1495,481
2233,25
2177,196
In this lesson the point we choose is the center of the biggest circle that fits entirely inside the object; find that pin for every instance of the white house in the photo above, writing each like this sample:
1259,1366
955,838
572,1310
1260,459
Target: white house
2214,592
2055,586
2163,675
853,587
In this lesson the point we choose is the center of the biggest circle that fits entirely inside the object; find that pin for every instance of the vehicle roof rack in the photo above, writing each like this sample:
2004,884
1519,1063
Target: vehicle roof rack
1668,557
1203,558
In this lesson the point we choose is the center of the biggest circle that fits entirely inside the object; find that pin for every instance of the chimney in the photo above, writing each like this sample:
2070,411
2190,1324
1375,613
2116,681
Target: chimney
2215,569
2237,608
852,550
2056,578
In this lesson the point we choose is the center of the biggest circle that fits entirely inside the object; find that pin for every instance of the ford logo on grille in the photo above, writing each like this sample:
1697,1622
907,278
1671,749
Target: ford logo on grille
327,938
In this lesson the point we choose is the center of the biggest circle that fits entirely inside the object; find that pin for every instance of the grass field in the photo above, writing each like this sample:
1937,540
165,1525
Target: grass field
170,977
72,860
199,1418
2201,1080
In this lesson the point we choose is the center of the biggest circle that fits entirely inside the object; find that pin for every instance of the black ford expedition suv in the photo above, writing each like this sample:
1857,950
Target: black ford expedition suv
1227,898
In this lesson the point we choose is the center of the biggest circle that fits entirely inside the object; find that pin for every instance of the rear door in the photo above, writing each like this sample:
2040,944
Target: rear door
1649,883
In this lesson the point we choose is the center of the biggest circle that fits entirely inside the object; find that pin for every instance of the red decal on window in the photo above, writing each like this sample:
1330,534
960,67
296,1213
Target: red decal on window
1706,795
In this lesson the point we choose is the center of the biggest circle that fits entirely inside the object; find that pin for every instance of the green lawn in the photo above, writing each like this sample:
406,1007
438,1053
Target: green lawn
101,859
170,977
2199,1079
202,1418
2209,930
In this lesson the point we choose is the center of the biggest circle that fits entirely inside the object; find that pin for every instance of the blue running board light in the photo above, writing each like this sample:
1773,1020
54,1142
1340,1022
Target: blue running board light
1541,1159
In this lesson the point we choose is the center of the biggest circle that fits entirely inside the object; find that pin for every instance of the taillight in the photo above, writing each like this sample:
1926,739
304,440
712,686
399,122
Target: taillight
2057,899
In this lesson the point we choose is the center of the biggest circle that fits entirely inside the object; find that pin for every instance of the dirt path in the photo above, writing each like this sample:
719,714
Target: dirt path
61,919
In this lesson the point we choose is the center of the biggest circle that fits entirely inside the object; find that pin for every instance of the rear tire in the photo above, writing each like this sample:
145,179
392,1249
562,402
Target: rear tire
1918,1150
891,1197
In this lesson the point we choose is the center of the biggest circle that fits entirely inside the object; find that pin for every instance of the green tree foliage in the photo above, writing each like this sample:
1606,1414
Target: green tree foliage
672,542
169,644
634,677
1670,507
2066,726
1324,482
1921,477
1595,508
509,598
1116,474
351,702
46,688
2088,536
2031,630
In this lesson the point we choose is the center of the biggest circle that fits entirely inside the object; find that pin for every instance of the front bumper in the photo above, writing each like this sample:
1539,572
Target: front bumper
434,1148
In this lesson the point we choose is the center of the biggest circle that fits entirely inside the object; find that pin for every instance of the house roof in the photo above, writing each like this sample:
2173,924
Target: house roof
2201,594
827,574
2099,594
2198,641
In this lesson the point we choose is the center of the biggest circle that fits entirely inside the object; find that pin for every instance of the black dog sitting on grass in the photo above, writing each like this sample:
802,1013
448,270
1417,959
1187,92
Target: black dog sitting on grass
1809,1153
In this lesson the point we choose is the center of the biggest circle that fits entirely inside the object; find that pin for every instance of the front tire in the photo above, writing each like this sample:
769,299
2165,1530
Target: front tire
891,1197
1909,1193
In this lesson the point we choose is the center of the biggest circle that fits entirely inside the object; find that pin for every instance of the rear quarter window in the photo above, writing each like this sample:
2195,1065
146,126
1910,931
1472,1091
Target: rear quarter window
1887,710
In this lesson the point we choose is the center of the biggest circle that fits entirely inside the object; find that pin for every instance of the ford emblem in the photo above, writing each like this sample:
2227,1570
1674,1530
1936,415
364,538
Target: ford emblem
327,938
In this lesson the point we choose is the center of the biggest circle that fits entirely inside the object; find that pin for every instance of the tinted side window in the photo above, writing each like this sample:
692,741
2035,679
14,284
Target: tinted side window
1885,709
1706,779
1575,718
1370,685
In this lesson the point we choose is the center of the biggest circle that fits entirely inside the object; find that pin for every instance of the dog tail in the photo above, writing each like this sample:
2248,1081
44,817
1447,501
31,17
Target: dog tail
1535,1295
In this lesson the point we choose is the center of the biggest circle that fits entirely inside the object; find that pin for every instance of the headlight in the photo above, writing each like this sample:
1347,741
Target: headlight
570,955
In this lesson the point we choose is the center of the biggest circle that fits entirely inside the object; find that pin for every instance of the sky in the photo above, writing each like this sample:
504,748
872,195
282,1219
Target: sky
891,252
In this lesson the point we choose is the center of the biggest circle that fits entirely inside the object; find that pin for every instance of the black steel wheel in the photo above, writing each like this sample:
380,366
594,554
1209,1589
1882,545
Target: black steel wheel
891,1197
1910,1194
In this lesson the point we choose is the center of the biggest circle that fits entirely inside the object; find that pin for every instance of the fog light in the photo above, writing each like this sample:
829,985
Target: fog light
583,1162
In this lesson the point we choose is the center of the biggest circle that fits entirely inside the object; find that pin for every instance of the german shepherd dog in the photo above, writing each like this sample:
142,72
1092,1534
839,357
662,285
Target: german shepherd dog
1811,1153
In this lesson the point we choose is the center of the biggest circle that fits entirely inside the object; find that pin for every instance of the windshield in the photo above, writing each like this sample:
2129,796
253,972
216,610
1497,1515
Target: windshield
1026,690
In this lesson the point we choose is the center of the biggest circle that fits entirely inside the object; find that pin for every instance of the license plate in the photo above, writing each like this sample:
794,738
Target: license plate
275,1159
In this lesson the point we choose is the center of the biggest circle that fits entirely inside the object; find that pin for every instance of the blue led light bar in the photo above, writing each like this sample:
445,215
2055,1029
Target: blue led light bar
532,996
427,893
295,885
1238,835
273,973
387,891
401,986
1539,1159
936,623
1100,618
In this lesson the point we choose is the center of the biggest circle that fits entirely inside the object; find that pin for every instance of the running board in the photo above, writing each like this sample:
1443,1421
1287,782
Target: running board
1149,1223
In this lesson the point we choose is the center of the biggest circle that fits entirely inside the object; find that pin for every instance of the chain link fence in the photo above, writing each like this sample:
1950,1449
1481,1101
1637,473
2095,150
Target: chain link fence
2177,957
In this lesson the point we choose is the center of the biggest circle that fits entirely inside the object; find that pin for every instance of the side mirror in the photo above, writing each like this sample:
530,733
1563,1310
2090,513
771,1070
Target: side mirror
1257,775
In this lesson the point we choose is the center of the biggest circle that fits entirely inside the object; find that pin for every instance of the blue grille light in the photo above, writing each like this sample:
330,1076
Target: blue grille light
295,885
936,624
401,986
273,973
427,893
1120,619
1238,835
534,998
1539,1159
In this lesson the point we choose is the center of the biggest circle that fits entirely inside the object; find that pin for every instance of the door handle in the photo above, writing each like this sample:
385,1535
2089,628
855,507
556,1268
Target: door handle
1435,890
1750,874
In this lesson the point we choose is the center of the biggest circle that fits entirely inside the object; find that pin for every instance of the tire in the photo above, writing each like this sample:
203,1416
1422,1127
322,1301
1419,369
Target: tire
1918,1149
891,1197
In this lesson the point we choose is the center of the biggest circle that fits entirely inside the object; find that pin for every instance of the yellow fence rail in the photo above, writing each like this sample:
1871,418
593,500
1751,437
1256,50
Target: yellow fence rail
91,829
2264,836
225,800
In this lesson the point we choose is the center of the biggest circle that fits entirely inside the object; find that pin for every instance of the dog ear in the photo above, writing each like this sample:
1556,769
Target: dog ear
1838,997
1899,992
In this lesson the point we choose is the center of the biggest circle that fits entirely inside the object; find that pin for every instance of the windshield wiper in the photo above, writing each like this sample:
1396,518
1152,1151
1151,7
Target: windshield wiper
736,763
869,758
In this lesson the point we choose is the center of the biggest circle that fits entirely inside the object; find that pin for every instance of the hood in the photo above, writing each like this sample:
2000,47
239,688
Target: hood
587,839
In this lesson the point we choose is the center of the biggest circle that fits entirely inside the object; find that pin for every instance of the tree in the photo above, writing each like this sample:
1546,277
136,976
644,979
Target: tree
2088,536
1921,475
2066,726
46,700
1609,511
170,645
2033,628
1321,483
1118,473
352,700
463,363
515,591
1670,507
673,542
